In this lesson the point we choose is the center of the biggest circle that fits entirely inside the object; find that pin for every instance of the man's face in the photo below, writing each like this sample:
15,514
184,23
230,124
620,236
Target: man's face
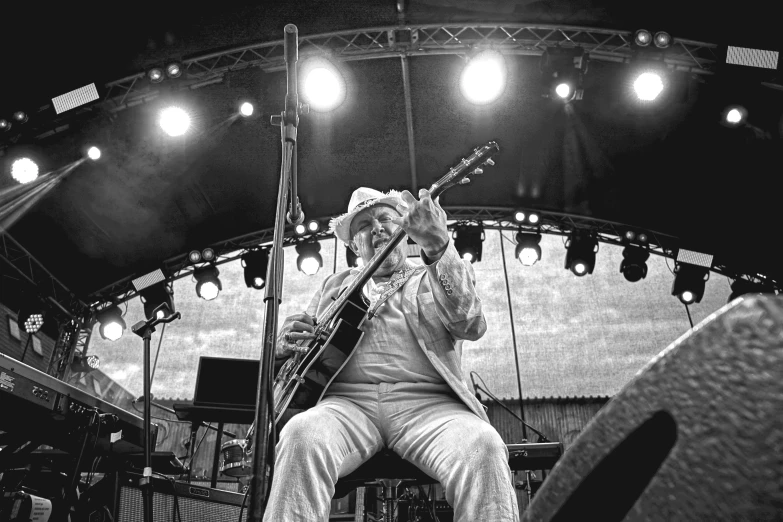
370,230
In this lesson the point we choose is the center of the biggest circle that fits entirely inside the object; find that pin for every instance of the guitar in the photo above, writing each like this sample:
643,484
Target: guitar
304,377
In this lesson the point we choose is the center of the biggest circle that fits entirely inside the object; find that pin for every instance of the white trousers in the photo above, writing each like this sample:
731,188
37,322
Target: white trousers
425,424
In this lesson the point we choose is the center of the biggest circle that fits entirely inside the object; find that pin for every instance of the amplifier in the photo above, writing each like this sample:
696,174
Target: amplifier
118,498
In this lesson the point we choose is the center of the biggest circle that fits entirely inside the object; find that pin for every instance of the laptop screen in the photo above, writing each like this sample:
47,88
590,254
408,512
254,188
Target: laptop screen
226,382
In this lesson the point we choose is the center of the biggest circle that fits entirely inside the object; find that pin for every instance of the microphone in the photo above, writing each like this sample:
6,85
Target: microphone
291,51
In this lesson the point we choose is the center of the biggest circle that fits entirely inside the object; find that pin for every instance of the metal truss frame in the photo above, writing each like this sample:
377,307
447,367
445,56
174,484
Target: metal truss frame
74,336
32,271
499,218
415,40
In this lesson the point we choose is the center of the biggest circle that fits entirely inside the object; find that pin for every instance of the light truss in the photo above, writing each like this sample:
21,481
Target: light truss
500,218
415,40
32,271
74,336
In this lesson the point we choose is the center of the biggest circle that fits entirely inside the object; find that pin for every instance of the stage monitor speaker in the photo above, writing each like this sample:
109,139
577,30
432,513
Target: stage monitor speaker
696,435
119,499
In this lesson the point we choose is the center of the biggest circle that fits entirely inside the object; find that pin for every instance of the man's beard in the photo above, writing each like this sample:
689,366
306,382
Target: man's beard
394,256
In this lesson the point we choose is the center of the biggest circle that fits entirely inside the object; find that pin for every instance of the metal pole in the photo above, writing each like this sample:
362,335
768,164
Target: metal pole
513,333
406,85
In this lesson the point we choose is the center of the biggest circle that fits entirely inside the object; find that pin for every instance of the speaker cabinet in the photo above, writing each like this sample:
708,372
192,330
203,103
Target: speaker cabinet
118,498
696,435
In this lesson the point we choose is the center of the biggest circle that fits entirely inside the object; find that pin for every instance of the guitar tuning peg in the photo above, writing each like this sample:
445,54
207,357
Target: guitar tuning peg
489,162
478,171
464,181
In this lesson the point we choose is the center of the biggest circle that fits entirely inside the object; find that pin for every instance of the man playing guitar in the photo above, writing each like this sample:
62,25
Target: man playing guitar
402,387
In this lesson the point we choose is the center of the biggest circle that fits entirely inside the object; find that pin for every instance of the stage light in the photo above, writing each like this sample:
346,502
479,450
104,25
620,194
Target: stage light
155,75
156,295
173,70
483,78
94,153
174,121
642,38
208,254
468,241
742,287
300,229
208,284
634,263
5,125
246,109
528,251
324,86
533,218
255,263
562,70
112,325
194,256
352,259
734,115
20,117
580,253
84,364
31,316
309,260
519,216
24,170
522,216
313,226
648,86
662,39
689,281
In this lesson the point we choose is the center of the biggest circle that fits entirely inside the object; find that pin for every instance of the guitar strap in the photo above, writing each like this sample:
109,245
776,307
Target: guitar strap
396,282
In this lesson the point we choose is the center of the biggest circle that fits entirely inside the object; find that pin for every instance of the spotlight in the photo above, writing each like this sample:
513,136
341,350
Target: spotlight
208,254
519,216
580,253
522,216
300,229
156,295
352,259
94,153
24,170
173,70
742,287
689,281
631,236
562,70
5,125
208,284
174,121
633,265
468,241
533,218
246,109
84,364
648,85
112,325
309,260
734,116
155,75
20,117
642,38
324,86
313,226
255,263
194,256
31,316
483,79
662,39
528,251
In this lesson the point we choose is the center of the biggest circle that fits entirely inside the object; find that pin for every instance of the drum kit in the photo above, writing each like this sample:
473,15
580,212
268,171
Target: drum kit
236,456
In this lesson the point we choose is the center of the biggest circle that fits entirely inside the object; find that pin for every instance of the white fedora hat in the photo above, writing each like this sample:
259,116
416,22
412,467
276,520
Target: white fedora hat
361,199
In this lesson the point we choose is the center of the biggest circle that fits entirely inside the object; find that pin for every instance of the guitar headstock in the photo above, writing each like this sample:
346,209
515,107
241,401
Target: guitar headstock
461,173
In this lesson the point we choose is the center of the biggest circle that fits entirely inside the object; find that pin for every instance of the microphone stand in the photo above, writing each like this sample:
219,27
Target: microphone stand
541,436
263,454
144,330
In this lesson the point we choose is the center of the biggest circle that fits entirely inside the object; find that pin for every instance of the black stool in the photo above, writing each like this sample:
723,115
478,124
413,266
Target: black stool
386,469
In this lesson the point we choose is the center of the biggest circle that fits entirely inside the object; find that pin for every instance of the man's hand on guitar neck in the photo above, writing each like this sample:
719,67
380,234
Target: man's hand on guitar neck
297,327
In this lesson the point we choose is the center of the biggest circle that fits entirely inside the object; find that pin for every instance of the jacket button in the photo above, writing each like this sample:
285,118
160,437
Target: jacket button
449,292
442,277
447,287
